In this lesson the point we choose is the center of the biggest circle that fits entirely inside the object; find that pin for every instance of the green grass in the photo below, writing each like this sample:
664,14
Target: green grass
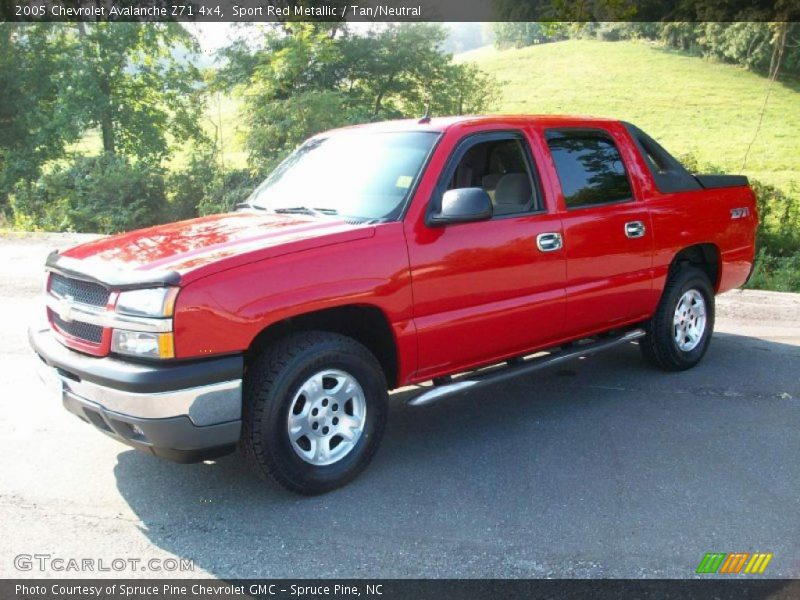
689,104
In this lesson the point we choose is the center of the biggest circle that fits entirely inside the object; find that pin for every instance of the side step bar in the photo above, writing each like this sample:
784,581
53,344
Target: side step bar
495,375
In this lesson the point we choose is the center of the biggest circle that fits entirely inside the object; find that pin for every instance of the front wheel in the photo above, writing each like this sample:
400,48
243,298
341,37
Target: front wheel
315,410
679,333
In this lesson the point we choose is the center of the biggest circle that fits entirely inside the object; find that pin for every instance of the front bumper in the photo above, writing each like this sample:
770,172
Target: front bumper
187,412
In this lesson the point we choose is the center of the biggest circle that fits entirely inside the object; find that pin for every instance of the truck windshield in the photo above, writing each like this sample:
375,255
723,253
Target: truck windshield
350,174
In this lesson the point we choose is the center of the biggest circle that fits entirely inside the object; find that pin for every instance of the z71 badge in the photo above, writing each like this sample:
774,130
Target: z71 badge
740,213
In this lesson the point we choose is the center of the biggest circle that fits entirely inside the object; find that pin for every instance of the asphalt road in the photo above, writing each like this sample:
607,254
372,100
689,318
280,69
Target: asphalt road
603,467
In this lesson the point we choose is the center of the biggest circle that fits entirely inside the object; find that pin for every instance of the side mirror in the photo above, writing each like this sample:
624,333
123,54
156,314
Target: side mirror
463,205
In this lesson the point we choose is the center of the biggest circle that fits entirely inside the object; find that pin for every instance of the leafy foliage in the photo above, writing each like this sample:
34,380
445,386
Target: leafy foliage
201,187
133,89
131,83
778,273
37,120
127,81
61,80
104,194
520,34
308,77
749,44
229,190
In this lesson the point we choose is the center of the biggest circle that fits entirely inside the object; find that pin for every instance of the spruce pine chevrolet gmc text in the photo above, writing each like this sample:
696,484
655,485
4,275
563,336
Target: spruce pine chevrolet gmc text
386,255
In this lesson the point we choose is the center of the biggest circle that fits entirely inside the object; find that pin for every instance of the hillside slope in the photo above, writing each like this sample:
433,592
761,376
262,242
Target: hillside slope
689,104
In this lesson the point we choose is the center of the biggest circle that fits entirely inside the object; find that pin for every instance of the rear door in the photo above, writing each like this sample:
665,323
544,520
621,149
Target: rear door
484,290
608,238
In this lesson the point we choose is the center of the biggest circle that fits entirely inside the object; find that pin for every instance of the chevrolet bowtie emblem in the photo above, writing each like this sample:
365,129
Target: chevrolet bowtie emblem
65,308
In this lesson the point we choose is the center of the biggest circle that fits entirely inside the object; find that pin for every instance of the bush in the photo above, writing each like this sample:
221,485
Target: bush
778,273
202,189
190,187
613,32
99,194
228,191
779,219
778,239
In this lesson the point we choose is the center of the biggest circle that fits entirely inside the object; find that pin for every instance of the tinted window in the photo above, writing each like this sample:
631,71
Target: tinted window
653,160
589,168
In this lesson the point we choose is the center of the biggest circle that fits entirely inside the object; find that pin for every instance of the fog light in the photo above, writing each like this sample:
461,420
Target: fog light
140,343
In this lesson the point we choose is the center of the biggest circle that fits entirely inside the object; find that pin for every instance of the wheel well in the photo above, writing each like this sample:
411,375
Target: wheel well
703,256
365,324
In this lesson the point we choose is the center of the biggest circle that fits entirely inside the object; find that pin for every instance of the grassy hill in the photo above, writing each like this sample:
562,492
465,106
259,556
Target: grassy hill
690,105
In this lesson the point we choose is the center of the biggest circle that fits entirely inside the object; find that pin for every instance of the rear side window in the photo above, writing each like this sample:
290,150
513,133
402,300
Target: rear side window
589,167
669,174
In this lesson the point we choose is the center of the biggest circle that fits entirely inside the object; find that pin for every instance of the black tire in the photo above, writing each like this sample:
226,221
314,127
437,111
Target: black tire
659,346
271,382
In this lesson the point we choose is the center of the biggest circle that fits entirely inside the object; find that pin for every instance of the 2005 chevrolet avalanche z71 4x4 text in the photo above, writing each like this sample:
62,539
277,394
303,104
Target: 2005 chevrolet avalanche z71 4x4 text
385,255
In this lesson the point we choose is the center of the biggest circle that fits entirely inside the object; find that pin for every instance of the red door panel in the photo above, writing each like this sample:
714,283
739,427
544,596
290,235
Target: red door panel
609,275
483,291
609,272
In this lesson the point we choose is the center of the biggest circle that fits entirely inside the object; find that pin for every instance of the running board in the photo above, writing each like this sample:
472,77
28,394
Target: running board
496,375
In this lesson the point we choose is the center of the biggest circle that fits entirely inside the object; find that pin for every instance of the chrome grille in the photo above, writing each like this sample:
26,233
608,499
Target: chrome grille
84,331
84,292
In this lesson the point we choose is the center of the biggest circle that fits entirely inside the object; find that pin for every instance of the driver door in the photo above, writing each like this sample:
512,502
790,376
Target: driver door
487,290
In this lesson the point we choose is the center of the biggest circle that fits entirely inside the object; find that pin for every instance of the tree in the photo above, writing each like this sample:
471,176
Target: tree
134,89
290,86
38,89
517,35
463,89
308,77
60,80
394,69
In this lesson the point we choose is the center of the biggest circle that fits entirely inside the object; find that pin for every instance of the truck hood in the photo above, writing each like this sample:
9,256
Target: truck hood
201,246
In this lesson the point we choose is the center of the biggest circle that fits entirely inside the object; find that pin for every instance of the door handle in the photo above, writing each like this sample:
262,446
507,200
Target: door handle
549,242
634,229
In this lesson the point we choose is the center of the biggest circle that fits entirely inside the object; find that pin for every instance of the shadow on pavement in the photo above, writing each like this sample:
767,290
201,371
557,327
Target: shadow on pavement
604,467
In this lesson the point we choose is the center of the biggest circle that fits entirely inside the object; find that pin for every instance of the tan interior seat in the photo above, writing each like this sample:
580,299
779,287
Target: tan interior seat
489,183
513,194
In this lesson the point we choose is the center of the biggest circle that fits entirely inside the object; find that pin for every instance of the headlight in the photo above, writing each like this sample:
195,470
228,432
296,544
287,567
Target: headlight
151,302
140,343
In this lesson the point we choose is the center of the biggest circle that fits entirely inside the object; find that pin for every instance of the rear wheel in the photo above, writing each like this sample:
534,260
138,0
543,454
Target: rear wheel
315,411
679,333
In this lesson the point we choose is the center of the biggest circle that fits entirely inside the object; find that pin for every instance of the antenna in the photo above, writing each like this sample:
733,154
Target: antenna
426,118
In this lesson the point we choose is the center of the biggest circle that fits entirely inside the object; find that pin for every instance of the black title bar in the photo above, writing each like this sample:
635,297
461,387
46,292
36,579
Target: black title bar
398,10
395,589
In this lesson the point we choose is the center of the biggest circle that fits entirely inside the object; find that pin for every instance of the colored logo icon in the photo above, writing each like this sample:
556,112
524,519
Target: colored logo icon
734,562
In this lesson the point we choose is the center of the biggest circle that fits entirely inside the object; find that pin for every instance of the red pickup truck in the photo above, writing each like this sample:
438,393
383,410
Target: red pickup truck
456,251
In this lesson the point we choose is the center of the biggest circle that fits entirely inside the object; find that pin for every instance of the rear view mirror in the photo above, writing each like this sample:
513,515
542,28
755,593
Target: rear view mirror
463,205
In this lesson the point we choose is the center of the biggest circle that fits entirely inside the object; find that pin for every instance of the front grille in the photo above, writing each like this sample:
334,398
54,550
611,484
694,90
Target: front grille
84,331
84,292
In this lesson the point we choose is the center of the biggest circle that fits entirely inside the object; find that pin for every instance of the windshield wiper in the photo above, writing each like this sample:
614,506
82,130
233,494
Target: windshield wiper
306,210
242,205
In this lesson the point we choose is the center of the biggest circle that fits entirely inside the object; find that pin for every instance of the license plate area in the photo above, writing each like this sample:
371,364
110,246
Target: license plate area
50,379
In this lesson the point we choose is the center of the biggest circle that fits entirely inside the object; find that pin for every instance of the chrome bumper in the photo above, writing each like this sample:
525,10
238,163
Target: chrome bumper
148,406
204,405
